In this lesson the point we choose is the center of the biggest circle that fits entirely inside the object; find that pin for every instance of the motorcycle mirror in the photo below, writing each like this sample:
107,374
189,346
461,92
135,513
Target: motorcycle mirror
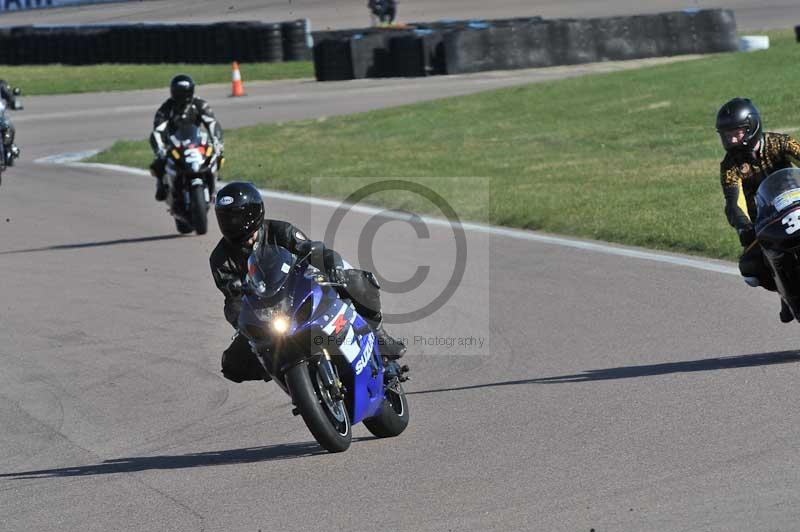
313,252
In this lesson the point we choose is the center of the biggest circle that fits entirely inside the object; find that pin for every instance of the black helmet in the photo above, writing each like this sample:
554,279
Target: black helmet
240,211
182,89
739,125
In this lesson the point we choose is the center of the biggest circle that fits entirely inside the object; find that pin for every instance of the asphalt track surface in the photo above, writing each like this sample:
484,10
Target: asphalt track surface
610,393
336,14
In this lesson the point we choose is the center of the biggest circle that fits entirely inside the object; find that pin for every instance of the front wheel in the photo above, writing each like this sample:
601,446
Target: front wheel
325,416
392,419
182,227
2,160
199,208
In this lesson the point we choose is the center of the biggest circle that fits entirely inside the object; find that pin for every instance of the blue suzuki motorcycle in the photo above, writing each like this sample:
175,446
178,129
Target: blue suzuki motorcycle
318,349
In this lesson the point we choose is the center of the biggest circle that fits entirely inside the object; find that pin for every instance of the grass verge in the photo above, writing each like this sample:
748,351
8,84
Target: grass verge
629,157
64,79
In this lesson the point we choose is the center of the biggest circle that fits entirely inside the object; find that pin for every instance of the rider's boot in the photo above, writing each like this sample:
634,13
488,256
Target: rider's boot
161,190
391,348
786,313
157,168
12,153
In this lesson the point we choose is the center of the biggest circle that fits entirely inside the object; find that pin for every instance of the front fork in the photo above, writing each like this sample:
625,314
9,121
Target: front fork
330,377
196,182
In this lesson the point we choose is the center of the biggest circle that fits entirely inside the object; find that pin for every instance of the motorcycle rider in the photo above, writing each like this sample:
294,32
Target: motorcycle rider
240,213
384,10
751,155
9,95
180,106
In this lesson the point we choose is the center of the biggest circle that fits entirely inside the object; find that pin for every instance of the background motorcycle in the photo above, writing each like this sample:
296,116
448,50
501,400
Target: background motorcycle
778,232
190,177
6,130
318,349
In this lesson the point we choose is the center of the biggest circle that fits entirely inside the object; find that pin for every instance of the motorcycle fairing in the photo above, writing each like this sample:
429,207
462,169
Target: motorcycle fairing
353,348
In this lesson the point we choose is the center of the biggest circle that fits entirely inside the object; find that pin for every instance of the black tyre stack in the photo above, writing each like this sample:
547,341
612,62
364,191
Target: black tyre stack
418,53
20,43
458,46
716,30
294,35
155,43
332,57
270,37
6,47
371,55
573,41
236,41
426,49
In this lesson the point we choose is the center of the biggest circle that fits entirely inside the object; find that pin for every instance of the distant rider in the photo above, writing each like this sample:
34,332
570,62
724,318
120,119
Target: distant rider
182,106
751,156
240,213
384,10
9,95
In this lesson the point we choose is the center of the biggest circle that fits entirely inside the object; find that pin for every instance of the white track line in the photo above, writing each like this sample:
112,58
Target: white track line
69,159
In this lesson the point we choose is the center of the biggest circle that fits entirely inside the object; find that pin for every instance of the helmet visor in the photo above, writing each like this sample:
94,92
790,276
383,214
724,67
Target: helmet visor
182,92
238,224
235,226
733,138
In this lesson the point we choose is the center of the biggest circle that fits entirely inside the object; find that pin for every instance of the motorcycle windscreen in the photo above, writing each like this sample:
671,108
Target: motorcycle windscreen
186,134
776,195
268,269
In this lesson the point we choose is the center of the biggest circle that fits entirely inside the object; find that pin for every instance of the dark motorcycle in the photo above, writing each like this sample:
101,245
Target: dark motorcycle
190,177
319,350
778,232
7,156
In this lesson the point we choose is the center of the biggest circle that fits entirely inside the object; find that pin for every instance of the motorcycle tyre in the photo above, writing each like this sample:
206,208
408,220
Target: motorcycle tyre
308,402
392,418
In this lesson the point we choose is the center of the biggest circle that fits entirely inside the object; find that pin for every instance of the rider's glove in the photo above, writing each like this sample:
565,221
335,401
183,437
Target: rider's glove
162,153
234,287
337,275
746,236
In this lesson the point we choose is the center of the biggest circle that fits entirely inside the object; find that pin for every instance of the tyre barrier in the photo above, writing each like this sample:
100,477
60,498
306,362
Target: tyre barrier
295,40
467,46
333,59
420,53
155,43
371,55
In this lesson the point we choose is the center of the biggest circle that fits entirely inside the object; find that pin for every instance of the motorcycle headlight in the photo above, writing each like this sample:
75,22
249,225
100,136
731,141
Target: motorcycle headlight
279,324
277,321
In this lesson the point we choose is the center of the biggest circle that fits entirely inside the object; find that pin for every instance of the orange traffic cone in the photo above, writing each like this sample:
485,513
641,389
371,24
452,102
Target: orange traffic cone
238,88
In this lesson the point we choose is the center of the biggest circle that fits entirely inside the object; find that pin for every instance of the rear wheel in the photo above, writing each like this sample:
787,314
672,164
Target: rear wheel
199,208
392,419
325,415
